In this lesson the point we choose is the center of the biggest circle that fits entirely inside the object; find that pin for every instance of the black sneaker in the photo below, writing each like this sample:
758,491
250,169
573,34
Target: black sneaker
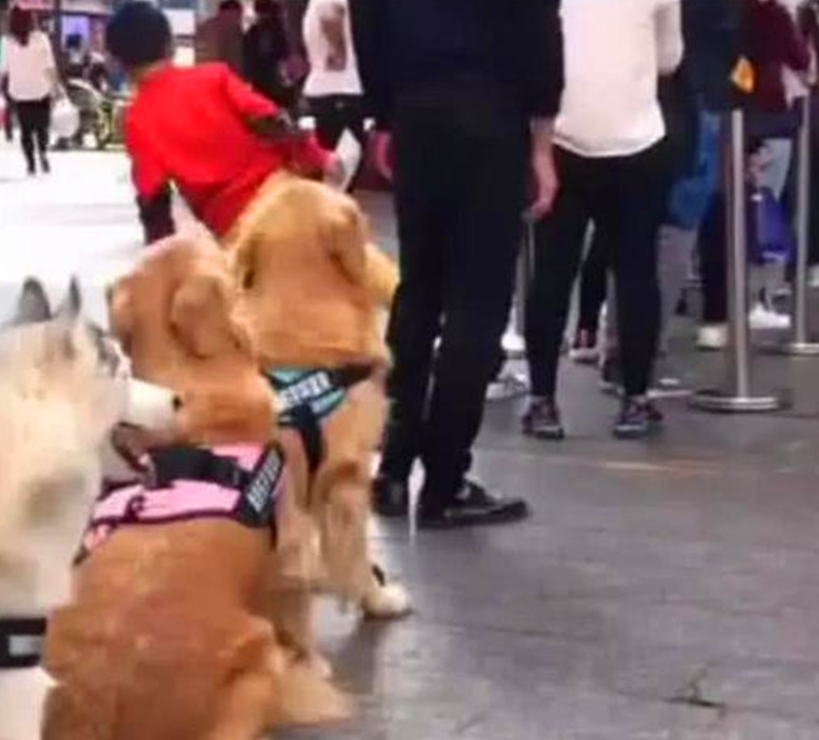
390,497
45,165
638,418
542,420
473,506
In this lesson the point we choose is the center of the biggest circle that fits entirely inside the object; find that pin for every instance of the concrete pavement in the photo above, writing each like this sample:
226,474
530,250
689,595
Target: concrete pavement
666,590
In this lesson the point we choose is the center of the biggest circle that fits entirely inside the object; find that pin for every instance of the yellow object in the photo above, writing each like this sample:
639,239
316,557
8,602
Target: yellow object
743,75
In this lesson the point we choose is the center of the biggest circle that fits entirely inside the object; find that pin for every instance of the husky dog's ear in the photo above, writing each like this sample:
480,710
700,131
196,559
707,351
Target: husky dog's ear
33,306
121,311
71,307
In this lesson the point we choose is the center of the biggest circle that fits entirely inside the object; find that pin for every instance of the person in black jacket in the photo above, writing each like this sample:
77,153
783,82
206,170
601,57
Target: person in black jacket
464,93
266,50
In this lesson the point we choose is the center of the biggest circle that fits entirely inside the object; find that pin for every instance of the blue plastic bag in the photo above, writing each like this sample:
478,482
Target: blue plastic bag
770,234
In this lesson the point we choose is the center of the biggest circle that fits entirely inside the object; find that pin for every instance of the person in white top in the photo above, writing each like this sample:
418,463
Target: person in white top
613,172
333,87
30,73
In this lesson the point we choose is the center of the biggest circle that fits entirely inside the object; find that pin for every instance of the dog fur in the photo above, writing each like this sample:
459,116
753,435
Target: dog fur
60,395
313,289
165,639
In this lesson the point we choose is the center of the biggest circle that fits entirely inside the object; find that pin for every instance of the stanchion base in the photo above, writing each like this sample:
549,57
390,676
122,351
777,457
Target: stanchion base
721,402
800,349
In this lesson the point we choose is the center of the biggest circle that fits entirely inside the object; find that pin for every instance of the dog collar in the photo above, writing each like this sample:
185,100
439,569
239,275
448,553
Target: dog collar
21,642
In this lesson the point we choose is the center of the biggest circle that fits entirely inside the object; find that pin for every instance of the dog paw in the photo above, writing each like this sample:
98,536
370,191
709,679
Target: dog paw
387,601
320,665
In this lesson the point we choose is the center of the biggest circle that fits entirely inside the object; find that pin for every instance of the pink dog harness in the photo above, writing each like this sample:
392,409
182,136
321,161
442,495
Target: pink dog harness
240,483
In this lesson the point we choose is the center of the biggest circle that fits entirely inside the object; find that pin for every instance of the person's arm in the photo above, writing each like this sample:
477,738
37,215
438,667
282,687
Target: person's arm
152,185
668,32
539,33
50,64
333,20
789,45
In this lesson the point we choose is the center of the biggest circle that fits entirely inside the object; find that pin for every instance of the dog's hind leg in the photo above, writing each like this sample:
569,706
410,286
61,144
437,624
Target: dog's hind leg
72,715
291,611
243,711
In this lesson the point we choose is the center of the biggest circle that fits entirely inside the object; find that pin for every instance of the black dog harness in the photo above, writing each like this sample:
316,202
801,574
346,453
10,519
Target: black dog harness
240,483
307,397
21,642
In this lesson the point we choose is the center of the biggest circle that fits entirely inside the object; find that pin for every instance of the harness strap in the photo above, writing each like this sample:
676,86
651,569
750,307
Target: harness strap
306,423
309,396
21,642
179,462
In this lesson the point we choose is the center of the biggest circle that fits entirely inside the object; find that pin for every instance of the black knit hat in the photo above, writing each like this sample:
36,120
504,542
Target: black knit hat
138,34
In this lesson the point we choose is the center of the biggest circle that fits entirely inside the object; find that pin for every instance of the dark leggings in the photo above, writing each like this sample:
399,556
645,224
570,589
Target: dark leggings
593,285
625,198
336,113
34,117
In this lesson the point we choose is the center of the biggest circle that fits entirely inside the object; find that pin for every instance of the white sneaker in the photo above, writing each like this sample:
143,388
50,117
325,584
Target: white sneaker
508,385
712,336
813,276
763,318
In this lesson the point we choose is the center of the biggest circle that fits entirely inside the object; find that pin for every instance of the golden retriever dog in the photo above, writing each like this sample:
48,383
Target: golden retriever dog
63,387
313,292
164,639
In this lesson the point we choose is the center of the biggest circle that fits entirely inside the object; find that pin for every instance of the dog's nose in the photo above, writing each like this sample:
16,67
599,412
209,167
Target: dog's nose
177,403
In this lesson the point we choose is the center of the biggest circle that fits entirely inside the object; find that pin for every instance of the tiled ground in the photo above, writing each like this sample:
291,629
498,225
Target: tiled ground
661,591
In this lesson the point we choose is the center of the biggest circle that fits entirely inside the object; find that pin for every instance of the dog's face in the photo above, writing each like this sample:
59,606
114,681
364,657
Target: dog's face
175,315
63,387
63,352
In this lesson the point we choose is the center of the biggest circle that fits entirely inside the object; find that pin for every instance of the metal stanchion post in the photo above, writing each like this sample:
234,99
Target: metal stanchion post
800,344
737,397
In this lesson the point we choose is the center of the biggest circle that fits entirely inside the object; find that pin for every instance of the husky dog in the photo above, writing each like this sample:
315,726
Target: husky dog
63,388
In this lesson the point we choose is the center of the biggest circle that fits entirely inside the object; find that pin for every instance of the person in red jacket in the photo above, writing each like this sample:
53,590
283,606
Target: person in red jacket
201,129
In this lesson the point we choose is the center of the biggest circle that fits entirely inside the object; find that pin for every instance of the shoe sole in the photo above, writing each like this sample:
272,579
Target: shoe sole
584,356
508,515
558,434
632,434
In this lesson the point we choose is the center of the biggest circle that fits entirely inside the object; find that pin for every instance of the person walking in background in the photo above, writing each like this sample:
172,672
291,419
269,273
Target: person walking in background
31,74
778,52
8,110
464,95
613,171
219,38
333,88
266,51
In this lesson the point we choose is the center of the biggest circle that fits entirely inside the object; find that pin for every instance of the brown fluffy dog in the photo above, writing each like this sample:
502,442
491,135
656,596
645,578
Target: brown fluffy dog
162,641
314,289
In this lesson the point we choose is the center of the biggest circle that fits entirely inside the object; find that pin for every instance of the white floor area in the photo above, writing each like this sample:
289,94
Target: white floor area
80,220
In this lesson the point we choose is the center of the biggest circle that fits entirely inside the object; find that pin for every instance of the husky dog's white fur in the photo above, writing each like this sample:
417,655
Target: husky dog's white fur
62,390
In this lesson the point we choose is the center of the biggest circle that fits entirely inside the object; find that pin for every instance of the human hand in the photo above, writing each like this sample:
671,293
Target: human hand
382,154
546,183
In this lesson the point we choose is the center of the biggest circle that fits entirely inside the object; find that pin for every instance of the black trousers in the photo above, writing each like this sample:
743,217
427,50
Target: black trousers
713,262
334,114
34,117
461,172
625,198
593,284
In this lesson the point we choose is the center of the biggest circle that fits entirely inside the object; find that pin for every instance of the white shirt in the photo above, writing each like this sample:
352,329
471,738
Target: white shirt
30,68
615,50
323,81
